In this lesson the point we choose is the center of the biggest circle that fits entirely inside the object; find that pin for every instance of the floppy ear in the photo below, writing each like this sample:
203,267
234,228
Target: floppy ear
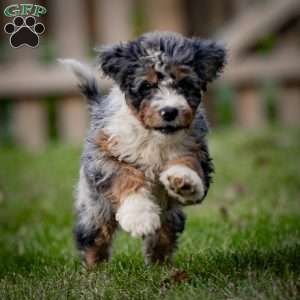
209,59
114,60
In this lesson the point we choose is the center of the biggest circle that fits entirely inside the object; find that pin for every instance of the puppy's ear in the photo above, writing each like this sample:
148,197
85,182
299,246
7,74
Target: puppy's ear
114,60
209,59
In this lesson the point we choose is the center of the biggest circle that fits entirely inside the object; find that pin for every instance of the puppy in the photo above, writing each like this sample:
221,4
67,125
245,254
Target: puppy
145,155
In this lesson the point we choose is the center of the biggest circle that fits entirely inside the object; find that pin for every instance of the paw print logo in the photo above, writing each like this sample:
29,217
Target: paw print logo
24,31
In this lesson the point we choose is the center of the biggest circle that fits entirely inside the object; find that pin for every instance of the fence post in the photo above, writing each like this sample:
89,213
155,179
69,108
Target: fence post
289,106
30,123
249,108
29,117
165,15
113,20
69,27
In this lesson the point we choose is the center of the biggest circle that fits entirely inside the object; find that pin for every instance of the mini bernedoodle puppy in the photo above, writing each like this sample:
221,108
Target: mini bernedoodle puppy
145,155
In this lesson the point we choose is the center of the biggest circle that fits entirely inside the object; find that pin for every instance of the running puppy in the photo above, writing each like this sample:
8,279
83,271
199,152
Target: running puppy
146,154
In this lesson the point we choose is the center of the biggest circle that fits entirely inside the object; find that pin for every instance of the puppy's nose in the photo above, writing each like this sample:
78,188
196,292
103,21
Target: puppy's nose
169,113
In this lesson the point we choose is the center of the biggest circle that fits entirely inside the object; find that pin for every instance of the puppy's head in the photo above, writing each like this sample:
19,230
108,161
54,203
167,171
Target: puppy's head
163,76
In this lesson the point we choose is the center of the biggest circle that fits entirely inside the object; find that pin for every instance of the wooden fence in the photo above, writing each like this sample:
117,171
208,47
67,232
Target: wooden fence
25,80
74,26
247,69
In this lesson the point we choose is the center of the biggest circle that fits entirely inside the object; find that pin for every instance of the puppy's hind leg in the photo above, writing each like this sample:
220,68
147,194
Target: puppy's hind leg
95,243
159,247
95,223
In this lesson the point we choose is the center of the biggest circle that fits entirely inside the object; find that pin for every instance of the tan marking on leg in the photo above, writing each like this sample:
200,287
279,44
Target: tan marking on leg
127,181
100,251
188,161
163,248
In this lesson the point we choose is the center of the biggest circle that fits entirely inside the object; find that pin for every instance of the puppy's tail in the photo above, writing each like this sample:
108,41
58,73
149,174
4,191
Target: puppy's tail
87,79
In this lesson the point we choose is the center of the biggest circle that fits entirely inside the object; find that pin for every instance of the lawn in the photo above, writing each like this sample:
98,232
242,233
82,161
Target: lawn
243,242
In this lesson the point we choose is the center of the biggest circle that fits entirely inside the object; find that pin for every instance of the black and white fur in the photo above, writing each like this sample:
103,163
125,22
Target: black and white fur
154,125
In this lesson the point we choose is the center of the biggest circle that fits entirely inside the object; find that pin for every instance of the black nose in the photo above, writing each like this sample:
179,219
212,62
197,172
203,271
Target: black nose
169,113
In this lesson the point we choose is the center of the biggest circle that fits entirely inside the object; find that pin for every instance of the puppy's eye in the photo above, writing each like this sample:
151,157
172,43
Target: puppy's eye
146,85
160,75
188,84
184,84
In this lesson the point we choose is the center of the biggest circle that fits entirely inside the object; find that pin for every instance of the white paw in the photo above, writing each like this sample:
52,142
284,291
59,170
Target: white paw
139,216
183,184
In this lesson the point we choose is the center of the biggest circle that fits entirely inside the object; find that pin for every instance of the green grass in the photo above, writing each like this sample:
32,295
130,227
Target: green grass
243,242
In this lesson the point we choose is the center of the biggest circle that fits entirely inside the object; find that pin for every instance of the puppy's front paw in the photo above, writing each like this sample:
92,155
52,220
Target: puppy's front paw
139,216
183,184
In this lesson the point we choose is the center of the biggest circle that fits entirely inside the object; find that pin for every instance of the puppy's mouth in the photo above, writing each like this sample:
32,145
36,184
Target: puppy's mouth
169,129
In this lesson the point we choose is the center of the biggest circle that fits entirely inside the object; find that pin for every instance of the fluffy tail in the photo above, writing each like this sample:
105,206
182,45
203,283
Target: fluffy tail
86,77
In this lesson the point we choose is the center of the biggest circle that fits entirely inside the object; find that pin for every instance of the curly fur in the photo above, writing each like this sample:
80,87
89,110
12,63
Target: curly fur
145,155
